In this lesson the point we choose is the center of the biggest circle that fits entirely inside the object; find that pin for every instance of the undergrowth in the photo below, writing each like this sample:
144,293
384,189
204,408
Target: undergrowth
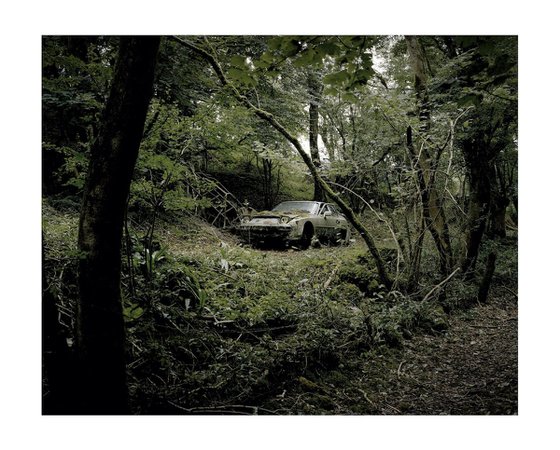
217,327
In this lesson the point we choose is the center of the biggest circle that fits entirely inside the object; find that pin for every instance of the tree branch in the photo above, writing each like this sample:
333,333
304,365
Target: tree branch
440,284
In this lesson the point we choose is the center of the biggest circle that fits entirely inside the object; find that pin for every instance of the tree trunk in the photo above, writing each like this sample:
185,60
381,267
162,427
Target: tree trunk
433,212
329,144
498,217
415,251
480,196
484,288
314,89
432,200
268,187
101,336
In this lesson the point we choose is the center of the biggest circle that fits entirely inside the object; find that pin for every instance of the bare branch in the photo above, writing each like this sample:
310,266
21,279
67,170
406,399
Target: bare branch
437,286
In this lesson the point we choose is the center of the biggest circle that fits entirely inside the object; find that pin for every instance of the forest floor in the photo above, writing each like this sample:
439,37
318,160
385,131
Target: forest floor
469,369
301,332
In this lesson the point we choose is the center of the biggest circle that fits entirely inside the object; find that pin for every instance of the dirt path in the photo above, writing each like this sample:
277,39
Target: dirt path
472,369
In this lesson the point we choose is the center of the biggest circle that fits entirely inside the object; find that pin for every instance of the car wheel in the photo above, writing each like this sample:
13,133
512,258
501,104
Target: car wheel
307,236
344,237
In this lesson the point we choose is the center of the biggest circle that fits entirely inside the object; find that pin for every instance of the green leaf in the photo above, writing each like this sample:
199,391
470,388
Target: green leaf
337,78
349,97
363,75
328,49
305,58
330,91
290,46
241,76
276,42
265,61
470,99
132,312
238,61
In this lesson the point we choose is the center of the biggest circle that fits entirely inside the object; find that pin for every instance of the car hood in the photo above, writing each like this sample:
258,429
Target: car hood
278,215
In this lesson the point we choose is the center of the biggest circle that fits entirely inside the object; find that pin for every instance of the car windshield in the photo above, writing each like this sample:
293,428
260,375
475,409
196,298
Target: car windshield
309,207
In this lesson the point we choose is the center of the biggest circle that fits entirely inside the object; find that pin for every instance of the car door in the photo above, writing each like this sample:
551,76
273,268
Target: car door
332,221
321,223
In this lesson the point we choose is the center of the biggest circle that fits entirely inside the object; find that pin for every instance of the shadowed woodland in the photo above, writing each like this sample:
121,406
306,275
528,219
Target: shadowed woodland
153,149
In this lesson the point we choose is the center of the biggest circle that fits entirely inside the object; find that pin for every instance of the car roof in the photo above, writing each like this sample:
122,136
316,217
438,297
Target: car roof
303,201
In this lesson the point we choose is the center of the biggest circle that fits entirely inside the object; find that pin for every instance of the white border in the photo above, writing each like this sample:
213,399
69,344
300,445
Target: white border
22,25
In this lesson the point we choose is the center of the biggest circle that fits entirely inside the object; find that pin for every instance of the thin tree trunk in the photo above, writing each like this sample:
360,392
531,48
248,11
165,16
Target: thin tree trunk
329,144
314,89
433,212
484,288
268,199
354,134
101,337
477,217
503,177
498,217
416,252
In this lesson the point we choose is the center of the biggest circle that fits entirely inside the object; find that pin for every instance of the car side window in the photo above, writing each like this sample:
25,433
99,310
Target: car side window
322,210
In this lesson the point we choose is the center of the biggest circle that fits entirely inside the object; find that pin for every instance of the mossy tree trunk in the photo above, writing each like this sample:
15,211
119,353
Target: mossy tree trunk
425,158
100,333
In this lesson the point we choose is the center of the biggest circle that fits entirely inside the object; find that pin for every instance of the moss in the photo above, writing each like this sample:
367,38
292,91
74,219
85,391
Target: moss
335,377
346,292
363,276
323,402
439,319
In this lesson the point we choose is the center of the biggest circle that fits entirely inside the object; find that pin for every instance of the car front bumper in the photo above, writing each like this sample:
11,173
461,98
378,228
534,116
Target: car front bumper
261,233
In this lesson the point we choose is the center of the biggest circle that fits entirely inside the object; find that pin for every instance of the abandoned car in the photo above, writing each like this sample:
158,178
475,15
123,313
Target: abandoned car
300,223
